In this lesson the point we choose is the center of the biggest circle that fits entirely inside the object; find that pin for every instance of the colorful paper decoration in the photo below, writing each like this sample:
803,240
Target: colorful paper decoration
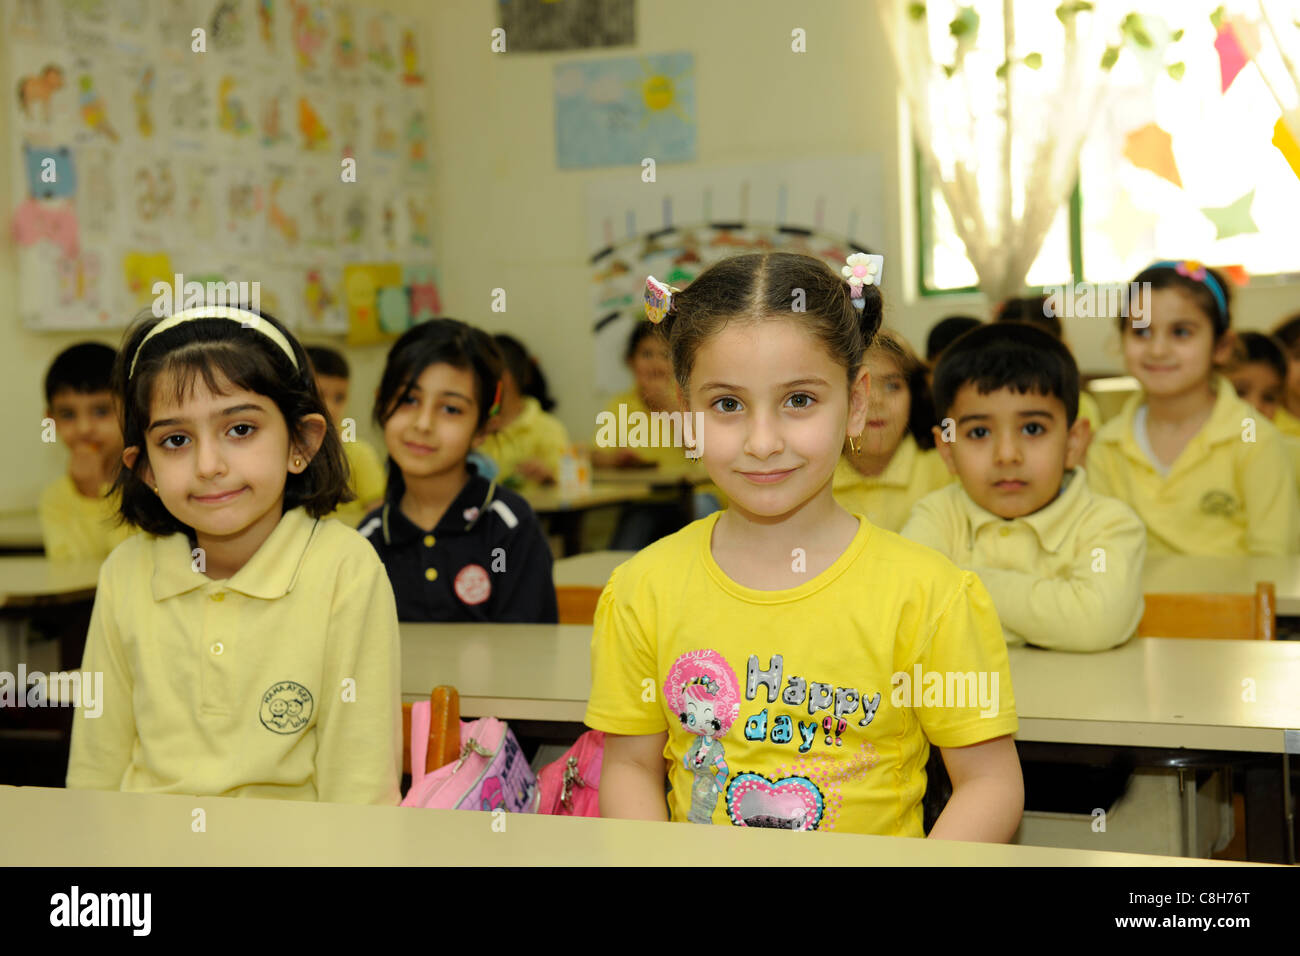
1234,218
1152,148
1232,58
1286,144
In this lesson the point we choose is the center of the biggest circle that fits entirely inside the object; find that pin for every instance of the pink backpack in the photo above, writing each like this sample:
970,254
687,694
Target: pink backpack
491,772
571,785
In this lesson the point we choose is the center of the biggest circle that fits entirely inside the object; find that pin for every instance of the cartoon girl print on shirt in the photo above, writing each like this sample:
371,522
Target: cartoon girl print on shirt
701,689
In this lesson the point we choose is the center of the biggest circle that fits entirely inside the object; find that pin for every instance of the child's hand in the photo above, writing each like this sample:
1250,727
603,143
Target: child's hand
534,469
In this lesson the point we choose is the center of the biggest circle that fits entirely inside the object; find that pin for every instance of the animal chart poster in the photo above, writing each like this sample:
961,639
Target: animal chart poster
225,141
826,208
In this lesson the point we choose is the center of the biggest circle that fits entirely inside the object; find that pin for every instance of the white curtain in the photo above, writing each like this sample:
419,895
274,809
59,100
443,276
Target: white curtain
1003,149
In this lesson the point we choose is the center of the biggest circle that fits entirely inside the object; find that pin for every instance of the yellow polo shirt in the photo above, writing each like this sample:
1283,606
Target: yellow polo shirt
1089,409
1286,423
1223,496
281,682
887,498
533,434
368,482
785,708
76,527
1067,577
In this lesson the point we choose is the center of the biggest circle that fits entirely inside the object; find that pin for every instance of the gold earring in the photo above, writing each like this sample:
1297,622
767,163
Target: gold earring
297,462
855,448
155,489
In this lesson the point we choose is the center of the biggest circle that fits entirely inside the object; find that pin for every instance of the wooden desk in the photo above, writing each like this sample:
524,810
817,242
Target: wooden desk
1184,574
102,828
566,511
20,532
590,570
658,477
28,582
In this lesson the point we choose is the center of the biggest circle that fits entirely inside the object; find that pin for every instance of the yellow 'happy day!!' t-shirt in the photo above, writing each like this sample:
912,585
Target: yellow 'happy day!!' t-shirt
783,708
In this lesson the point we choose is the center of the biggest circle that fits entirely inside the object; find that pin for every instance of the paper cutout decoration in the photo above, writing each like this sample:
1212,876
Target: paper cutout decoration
35,221
363,290
1286,144
1152,148
1232,58
1237,275
1234,218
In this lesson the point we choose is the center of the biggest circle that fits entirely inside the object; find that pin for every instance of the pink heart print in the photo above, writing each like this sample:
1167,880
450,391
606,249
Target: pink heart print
791,803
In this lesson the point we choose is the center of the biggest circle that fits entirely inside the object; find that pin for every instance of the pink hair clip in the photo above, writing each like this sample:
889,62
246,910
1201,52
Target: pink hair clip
658,299
1191,269
862,269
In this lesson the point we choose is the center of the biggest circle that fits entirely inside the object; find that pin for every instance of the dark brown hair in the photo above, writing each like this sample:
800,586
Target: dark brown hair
921,418
225,355
439,341
766,286
1168,277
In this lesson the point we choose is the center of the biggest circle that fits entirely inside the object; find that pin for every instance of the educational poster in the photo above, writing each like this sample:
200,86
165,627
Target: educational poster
825,208
223,143
534,25
617,112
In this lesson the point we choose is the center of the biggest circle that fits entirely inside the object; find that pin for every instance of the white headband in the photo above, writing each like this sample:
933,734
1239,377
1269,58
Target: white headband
246,319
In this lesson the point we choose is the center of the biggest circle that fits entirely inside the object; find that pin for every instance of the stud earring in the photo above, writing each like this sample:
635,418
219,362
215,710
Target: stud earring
297,463
155,489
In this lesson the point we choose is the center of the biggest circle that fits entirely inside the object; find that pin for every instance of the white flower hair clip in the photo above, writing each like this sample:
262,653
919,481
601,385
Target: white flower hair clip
862,269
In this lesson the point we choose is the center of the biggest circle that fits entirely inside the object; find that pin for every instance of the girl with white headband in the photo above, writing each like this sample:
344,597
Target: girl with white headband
249,648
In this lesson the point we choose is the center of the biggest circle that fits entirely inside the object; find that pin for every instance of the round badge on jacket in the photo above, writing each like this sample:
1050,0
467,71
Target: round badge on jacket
473,584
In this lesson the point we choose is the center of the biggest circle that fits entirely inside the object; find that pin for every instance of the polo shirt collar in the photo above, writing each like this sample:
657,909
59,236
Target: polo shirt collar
898,473
1224,423
1052,523
270,573
460,517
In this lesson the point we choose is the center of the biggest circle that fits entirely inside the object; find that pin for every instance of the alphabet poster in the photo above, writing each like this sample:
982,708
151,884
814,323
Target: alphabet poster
214,144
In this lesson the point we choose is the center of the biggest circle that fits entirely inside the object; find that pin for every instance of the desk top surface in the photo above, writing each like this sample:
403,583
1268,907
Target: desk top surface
98,828
1181,692
549,499
27,579
657,477
20,529
591,569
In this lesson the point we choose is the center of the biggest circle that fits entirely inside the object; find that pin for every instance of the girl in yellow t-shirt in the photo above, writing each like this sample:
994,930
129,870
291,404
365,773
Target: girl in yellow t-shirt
772,656
895,464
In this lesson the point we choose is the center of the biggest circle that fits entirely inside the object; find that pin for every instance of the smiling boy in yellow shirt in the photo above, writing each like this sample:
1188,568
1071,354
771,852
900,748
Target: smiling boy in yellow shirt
1062,563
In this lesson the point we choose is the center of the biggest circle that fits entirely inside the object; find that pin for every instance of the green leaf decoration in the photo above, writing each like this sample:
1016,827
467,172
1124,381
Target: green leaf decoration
1034,61
916,11
949,70
1177,35
1001,71
1216,18
1109,57
965,23
1176,70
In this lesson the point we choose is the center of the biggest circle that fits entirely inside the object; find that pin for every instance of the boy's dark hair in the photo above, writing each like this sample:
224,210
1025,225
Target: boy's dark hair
525,370
945,332
439,341
1258,347
1168,277
1032,309
921,419
224,354
85,367
328,361
1288,332
765,285
1011,355
641,331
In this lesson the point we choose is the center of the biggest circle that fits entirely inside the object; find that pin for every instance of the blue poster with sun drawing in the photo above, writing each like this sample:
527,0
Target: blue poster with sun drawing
615,112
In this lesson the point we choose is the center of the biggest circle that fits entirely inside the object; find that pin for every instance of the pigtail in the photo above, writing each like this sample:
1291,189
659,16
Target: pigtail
871,313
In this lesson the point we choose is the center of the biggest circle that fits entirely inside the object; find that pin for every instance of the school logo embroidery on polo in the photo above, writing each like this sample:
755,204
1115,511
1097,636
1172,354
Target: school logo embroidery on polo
473,584
286,707
1219,503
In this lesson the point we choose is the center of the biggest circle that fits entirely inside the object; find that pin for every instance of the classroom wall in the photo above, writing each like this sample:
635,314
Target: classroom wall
506,217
